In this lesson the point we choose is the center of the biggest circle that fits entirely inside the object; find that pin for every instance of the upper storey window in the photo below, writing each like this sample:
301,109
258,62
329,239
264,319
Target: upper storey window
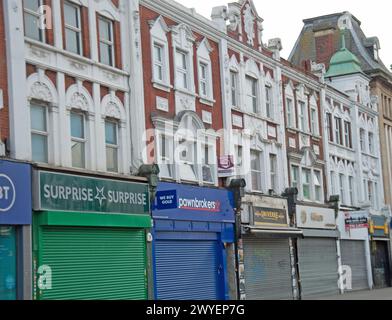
73,29
33,22
182,69
106,41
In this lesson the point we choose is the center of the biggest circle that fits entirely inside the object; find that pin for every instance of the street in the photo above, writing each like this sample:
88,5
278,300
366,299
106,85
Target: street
380,294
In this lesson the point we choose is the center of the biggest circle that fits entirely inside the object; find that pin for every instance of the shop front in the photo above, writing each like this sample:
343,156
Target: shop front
193,229
15,224
355,250
266,265
317,252
380,248
89,237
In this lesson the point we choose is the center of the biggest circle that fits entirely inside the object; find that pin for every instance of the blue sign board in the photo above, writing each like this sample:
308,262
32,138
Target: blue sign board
184,202
15,193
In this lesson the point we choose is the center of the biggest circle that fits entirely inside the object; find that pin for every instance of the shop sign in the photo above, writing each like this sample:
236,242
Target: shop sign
356,220
378,226
188,202
65,192
269,216
226,166
15,193
315,218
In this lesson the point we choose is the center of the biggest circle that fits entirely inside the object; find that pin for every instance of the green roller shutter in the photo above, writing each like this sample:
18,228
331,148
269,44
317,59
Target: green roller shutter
94,263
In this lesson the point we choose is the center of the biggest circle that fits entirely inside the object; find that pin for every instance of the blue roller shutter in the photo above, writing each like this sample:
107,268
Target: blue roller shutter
188,270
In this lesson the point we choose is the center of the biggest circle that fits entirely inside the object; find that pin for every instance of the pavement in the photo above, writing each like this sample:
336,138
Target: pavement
377,294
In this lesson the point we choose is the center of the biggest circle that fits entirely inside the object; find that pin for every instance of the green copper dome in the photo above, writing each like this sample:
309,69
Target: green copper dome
343,62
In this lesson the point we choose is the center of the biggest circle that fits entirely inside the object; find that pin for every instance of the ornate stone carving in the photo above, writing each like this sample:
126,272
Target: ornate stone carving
79,101
234,19
249,21
112,110
41,91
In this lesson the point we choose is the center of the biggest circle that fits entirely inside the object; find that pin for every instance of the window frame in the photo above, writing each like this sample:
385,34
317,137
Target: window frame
269,101
254,96
77,30
45,134
258,171
181,71
115,147
110,43
234,88
302,116
83,141
37,16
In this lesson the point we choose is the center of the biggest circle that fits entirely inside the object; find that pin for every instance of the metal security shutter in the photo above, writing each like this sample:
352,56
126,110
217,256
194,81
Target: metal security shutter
318,267
94,263
187,270
353,255
267,269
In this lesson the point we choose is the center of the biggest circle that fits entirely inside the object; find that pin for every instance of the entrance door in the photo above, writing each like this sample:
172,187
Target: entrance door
354,257
94,263
381,273
267,269
318,267
188,270
7,263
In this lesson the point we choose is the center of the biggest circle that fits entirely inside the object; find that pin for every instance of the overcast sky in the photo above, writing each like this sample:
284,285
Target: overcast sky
283,19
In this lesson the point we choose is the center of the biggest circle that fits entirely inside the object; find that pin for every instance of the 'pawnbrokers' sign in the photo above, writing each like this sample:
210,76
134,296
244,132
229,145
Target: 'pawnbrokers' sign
64,192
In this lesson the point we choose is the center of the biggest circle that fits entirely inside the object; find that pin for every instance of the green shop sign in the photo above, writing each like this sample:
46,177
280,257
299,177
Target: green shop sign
64,192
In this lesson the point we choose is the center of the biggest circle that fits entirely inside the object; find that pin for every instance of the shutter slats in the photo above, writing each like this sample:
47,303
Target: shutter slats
353,255
94,263
318,267
267,269
187,270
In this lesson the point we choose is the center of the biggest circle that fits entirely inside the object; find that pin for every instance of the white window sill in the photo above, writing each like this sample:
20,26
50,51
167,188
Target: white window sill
185,91
162,86
207,101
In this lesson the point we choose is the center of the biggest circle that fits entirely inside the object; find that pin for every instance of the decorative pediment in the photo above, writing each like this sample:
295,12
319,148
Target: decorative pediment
112,107
289,89
108,9
234,64
183,35
204,49
78,97
309,158
40,87
159,28
252,69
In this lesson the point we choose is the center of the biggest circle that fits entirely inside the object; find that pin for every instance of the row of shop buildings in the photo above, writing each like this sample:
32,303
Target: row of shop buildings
151,153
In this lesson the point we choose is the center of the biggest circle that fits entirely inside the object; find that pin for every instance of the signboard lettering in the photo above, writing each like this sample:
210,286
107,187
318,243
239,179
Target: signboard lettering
263,216
64,192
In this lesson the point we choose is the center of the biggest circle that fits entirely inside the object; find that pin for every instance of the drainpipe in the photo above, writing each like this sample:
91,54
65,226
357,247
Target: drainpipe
291,195
151,172
237,186
334,201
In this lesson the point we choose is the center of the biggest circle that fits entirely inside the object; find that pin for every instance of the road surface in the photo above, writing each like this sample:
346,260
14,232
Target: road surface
380,294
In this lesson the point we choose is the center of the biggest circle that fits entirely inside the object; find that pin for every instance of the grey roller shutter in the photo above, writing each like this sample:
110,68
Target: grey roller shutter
267,269
318,267
353,255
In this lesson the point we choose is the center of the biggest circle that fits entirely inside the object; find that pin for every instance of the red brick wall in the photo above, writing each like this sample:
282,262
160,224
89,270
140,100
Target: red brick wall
325,48
4,113
151,93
